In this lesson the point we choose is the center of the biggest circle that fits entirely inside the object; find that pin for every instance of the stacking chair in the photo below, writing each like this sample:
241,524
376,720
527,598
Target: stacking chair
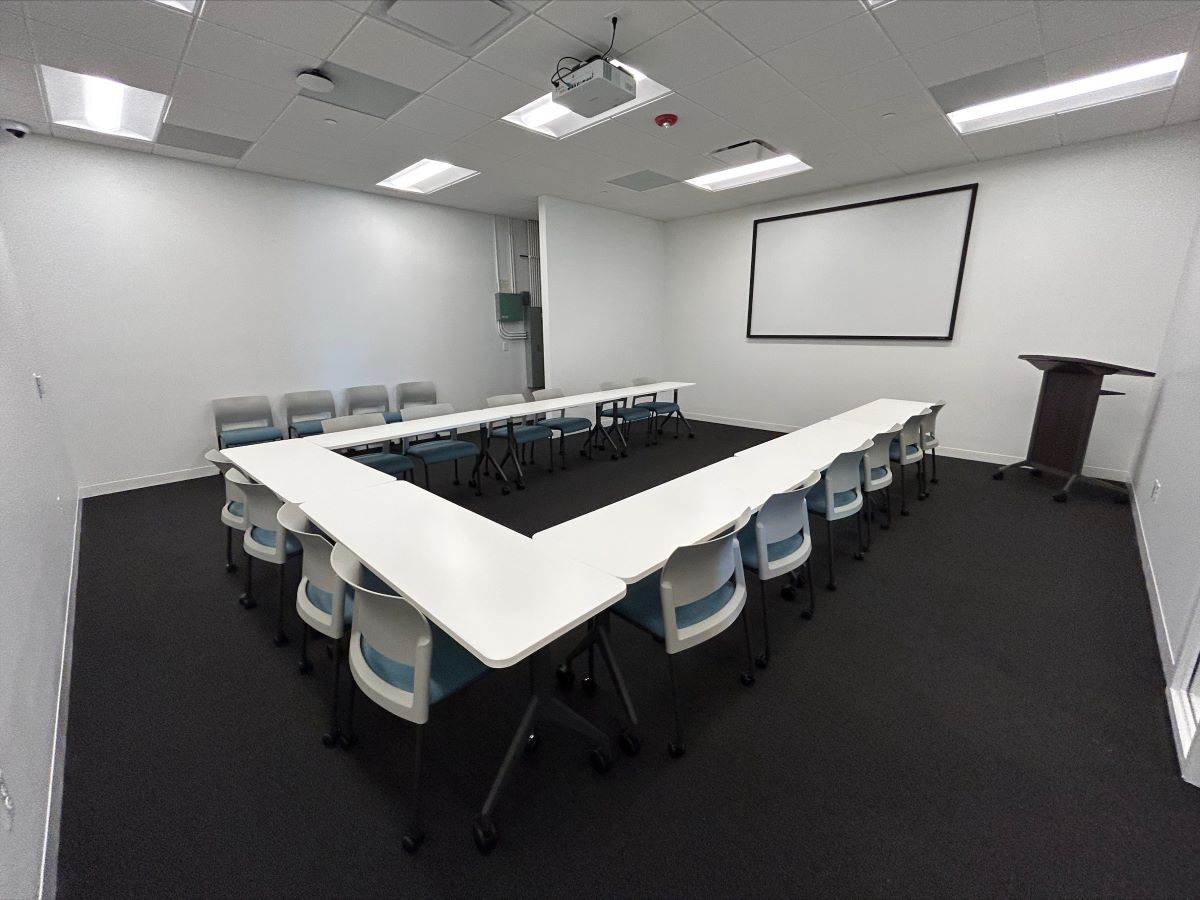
906,450
264,540
524,434
367,398
564,424
323,602
395,464
305,410
777,541
244,420
839,496
415,393
438,449
699,593
877,476
233,512
401,661
662,409
623,416
929,441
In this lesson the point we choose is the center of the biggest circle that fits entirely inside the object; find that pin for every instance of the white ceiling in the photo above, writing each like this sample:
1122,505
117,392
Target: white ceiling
843,88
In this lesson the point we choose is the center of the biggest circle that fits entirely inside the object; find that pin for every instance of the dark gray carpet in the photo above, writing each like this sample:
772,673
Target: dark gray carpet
977,711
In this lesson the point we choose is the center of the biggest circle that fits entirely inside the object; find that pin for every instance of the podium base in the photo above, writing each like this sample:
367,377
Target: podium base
1036,469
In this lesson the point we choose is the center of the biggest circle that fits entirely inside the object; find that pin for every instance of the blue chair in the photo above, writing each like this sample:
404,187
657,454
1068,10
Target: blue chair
401,661
700,591
367,398
906,450
839,496
306,410
233,510
438,449
518,436
777,541
623,416
244,420
877,476
929,440
385,460
663,409
564,424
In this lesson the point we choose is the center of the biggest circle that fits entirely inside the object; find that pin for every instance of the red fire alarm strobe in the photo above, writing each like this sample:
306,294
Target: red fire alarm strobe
666,120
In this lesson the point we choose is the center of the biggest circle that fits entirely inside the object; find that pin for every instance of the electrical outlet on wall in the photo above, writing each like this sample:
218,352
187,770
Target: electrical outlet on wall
504,346
1155,491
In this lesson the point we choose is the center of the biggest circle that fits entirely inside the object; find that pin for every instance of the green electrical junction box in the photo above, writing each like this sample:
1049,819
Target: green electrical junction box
511,307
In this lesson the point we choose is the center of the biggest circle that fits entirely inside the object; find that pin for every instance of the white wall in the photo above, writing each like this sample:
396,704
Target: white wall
1076,251
37,549
160,284
1171,524
602,295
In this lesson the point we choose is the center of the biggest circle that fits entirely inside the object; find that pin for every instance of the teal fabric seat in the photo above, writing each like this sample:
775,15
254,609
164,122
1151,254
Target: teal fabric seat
524,434
240,437
816,500
392,463
393,417
660,407
642,605
878,472
568,424
894,450
323,600
451,668
441,451
236,508
268,538
778,550
627,413
308,427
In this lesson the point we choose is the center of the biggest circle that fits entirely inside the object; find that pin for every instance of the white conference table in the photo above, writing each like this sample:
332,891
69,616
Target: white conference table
815,446
495,591
886,414
297,471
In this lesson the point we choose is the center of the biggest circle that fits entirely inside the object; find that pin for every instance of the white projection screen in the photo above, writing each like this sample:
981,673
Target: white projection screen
883,269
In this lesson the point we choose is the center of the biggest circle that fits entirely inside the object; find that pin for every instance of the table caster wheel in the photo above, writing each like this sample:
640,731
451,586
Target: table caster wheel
747,678
761,661
565,676
630,742
615,457
247,601
484,832
806,615
520,485
624,453
588,684
691,437
674,750
346,741
280,639
601,759
532,741
330,739
1060,497
412,841
230,567
305,666
505,490
998,476
788,593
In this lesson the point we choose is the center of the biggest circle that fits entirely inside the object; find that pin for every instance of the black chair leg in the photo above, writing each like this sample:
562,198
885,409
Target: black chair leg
765,658
933,480
281,638
230,565
247,599
832,585
348,738
884,526
870,514
675,747
305,662
748,675
903,496
332,737
415,836
456,481
812,592
861,554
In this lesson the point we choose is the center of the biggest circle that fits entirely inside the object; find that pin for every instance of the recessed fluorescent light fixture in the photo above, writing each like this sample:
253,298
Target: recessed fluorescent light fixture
103,105
870,5
427,176
1119,84
738,176
546,117
187,6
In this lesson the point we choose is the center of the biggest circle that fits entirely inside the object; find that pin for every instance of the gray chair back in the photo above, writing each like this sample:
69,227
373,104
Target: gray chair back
367,398
241,412
304,406
415,393
348,423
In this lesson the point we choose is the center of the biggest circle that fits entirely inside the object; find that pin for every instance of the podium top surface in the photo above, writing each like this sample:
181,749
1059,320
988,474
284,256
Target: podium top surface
1080,366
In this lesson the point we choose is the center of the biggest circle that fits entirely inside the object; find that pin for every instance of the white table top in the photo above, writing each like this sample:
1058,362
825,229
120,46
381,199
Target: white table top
298,471
634,537
886,414
490,588
815,446
377,434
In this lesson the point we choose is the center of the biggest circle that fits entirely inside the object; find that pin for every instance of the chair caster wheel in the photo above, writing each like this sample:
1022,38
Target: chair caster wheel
589,685
747,678
601,759
904,512
998,476
624,453
884,526
532,742
583,453
933,481
761,661
520,485
505,491
831,586
346,741
230,567
247,601
280,639
691,437
860,556
329,650
629,742
412,841
331,739
305,666
806,615
565,676
674,750
788,593
1060,497
615,457
484,832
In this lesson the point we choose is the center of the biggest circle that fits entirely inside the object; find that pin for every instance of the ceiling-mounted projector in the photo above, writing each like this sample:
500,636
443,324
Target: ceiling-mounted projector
594,88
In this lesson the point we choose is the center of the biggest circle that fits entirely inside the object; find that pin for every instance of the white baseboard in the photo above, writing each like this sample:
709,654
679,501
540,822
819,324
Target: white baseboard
1166,654
141,481
740,423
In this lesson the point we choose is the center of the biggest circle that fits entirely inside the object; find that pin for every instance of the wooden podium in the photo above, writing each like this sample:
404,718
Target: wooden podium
1071,388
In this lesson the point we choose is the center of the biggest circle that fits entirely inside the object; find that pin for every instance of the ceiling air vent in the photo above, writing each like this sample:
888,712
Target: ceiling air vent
743,154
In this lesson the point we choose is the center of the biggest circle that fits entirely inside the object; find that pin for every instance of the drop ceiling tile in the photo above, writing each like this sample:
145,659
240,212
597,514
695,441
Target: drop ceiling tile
484,90
238,55
387,52
392,146
576,161
530,52
18,76
14,37
356,5
1066,23
913,24
1185,106
92,56
730,92
991,47
474,156
1005,81
428,113
1121,117
532,4
687,53
94,137
935,145
858,165
840,49
302,127
1040,134
148,27
194,156
916,110
507,139
311,26
200,141
874,84
590,21
697,131
794,124
643,151
764,25
203,117
27,108
1132,46
246,98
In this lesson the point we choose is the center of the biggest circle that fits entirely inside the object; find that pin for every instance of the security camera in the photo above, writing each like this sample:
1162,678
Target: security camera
16,129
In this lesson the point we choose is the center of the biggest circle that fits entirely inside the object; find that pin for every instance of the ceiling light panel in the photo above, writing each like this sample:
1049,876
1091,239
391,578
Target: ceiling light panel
546,117
102,105
739,176
427,176
187,6
1107,87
